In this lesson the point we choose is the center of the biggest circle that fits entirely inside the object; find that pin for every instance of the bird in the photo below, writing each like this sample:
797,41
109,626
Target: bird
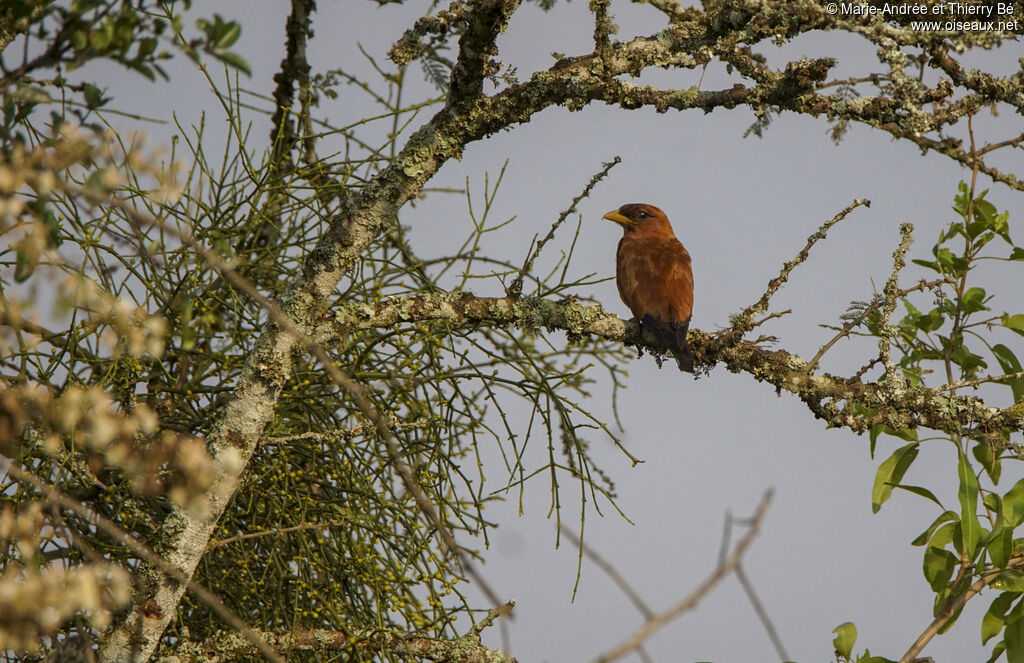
654,276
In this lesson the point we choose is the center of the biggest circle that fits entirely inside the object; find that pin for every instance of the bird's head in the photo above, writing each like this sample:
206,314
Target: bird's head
641,217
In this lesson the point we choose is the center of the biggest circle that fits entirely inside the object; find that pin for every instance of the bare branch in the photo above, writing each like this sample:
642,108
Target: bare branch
762,614
837,400
610,571
661,619
980,381
744,321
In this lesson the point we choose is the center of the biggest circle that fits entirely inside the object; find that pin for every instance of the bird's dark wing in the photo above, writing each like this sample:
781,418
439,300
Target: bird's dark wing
673,336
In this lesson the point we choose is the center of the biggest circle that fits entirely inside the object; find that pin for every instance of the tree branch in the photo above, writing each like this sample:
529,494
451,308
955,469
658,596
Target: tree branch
837,400
229,647
659,620
953,608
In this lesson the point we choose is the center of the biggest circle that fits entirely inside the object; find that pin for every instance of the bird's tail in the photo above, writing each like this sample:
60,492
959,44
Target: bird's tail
673,336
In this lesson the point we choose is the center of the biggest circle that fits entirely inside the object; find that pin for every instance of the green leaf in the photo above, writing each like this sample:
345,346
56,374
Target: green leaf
23,266
908,434
941,598
946,534
1013,636
997,651
989,460
29,94
93,96
960,201
1013,321
931,321
890,473
233,60
146,47
925,536
100,39
968,497
976,228
79,39
232,32
954,229
923,492
1010,364
948,262
994,505
1013,504
1000,547
992,622
974,300
1017,253
938,567
965,359
846,636
1009,580
985,212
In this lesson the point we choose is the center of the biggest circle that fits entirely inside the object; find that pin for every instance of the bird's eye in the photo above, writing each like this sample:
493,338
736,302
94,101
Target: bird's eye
642,214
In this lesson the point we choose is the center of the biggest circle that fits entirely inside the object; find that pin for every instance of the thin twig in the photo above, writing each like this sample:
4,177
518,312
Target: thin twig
744,321
770,316
890,294
762,614
748,587
492,614
351,432
516,287
272,532
849,326
1014,142
9,318
975,383
659,620
610,571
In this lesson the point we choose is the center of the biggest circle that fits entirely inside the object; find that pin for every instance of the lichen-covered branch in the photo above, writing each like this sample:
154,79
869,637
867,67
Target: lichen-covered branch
485,19
842,402
231,647
889,296
294,71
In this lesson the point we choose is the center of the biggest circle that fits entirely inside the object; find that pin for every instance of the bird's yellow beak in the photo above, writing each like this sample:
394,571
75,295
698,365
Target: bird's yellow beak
617,218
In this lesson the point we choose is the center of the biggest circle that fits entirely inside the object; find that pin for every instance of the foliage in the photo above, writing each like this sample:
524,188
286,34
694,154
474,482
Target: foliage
973,545
322,520
138,36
